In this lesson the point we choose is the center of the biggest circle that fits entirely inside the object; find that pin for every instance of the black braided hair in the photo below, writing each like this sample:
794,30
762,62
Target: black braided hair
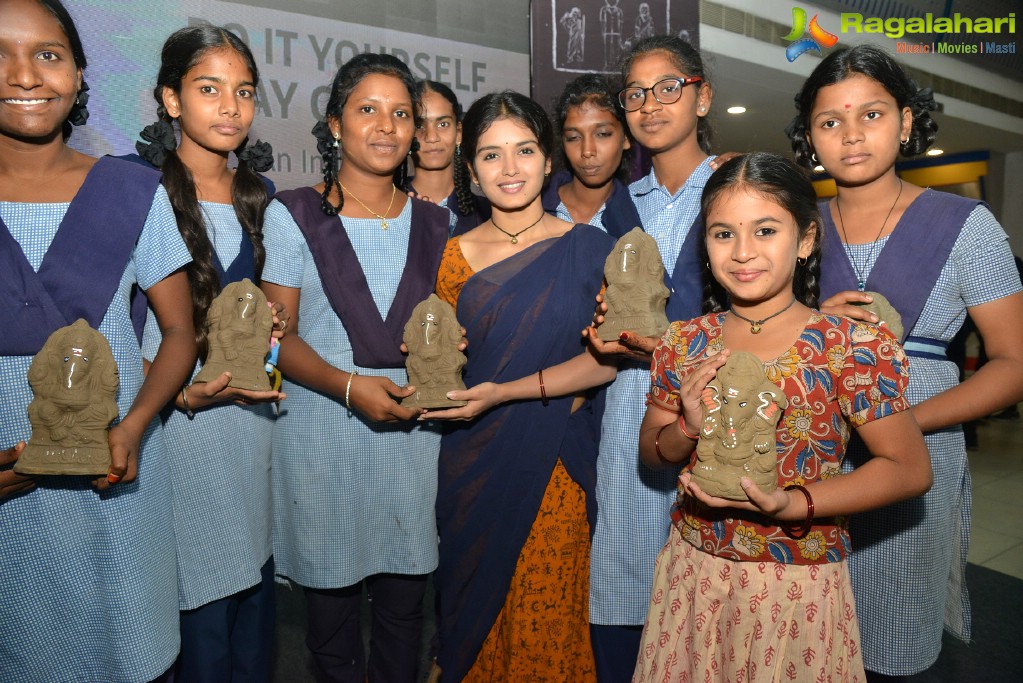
348,77
872,62
783,182
183,50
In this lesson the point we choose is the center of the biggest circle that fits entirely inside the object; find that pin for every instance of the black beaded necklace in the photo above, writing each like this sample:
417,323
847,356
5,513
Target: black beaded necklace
755,325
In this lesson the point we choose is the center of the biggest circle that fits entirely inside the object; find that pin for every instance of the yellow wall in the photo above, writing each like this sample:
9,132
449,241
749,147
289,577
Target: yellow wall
928,176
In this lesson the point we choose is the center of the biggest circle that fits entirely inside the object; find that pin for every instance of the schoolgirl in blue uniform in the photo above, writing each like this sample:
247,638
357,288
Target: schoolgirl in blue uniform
89,589
354,482
218,438
937,257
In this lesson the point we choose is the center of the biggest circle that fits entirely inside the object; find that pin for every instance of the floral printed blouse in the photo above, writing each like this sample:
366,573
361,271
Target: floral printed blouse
839,373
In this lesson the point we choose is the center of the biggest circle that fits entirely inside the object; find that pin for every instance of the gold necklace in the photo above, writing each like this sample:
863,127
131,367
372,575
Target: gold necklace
754,325
515,236
383,219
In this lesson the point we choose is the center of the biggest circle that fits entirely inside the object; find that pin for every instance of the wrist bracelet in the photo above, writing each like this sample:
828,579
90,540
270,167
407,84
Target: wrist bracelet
802,529
348,389
543,391
685,432
184,401
657,444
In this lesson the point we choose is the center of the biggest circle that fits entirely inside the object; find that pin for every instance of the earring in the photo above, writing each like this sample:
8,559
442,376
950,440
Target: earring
337,142
905,141
801,260
76,100
458,150
813,157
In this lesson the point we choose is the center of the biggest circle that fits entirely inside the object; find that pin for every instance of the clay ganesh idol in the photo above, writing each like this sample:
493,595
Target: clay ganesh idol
240,323
741,409
434,362
636,294
74,379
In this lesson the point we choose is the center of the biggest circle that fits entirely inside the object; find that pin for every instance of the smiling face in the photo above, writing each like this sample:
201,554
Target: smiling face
438,133
38,77
661,127
215,104
855,129
509,165
752,246
376,126
593,140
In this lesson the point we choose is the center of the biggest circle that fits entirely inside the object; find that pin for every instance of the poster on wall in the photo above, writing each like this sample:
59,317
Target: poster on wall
573,37
297,56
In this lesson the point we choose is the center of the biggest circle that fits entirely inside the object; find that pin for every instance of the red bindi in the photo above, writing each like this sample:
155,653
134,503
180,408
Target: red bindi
848,106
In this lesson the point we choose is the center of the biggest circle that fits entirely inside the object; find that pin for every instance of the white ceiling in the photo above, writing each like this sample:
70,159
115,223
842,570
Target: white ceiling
765,83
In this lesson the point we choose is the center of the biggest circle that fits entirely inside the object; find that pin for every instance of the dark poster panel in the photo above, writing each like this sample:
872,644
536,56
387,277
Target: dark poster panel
573,37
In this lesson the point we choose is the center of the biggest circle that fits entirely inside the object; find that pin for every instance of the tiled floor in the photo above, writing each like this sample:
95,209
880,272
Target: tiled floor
996,466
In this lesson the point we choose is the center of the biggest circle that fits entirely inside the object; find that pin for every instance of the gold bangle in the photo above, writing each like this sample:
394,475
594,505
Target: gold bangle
348,389
184,401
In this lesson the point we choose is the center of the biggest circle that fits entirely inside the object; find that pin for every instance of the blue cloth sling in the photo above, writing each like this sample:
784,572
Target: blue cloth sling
686,280
84,263
521,315
911,260
620,214
375,341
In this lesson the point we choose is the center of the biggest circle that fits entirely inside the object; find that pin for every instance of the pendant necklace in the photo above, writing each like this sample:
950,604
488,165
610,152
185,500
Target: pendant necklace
861,275
755,325
383,218
515,236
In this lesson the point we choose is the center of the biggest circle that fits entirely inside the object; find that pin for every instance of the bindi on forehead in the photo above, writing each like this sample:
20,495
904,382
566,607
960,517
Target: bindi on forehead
848,106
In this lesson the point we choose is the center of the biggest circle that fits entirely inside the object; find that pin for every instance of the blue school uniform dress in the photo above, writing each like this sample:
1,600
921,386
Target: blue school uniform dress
909,559
89,588
351,498
633,501
220,462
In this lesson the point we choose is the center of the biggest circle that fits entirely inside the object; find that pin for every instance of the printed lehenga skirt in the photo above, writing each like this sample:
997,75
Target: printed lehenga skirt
713,619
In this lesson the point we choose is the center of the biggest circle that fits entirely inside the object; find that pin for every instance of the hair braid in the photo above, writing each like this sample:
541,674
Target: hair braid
249,197
202,276
463,185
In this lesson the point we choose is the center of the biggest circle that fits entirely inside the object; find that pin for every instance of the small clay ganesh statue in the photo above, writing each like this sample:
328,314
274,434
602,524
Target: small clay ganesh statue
239,338
434,362
74,379
635,295
886,314
741,409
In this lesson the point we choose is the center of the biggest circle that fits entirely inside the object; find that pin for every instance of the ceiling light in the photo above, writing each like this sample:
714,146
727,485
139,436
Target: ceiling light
736,110
935,152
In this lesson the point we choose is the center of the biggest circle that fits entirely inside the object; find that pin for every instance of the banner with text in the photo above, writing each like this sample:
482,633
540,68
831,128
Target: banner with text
297,56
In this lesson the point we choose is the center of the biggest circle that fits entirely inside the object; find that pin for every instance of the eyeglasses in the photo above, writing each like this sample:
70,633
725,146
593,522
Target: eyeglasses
667,91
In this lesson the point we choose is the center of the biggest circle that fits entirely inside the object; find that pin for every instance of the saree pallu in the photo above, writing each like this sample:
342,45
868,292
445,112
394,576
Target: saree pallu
521,315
